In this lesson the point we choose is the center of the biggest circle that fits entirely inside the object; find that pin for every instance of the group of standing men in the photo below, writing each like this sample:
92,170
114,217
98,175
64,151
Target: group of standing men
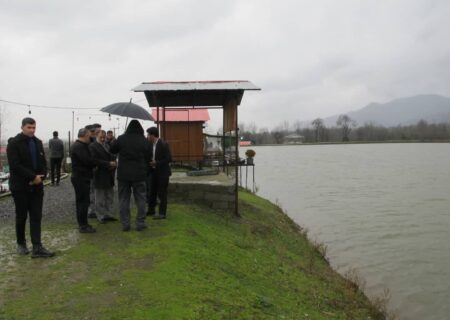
142,170
142,166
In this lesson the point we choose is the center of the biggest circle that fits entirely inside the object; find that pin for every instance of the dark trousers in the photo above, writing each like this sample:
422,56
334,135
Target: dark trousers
29,202
158,189
125,188
82,187
55,165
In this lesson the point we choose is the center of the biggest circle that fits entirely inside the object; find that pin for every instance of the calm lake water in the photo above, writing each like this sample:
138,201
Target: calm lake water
383,209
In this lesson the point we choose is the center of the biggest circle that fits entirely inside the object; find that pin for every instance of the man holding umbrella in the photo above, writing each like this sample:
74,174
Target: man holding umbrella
134,153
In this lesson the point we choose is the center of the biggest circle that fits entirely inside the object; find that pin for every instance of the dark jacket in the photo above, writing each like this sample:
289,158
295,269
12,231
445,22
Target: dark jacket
103,173
162,158
21,164
82,162
56,147
134,153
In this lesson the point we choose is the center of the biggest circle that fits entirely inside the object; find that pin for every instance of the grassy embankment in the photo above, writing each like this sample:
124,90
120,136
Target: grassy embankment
195,265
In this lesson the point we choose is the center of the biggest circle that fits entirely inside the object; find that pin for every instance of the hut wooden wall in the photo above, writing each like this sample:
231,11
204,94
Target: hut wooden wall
185,140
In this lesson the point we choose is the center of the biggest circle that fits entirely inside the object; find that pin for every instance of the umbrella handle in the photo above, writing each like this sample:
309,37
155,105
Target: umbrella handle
126,124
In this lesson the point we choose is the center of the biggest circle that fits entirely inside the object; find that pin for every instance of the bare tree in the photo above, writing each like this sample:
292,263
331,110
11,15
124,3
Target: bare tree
318,128
297,126
346,123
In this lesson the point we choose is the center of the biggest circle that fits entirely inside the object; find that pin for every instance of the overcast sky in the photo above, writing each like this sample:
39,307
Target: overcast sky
311,58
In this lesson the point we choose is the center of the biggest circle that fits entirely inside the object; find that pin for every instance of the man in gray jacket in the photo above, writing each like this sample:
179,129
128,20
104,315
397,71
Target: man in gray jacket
56,147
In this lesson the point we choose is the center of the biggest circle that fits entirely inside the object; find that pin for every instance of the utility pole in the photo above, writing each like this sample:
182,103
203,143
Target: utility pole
73,124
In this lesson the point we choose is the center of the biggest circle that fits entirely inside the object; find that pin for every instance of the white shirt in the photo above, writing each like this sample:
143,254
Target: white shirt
154,149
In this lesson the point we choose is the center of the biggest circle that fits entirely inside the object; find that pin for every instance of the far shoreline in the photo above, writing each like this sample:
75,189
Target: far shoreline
344,143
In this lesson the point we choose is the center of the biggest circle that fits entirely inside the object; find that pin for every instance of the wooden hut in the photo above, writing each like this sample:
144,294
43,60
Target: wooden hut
225,95
182,128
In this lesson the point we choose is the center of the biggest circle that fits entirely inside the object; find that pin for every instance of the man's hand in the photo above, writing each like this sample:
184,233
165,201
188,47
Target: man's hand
113,164
152,164
37,180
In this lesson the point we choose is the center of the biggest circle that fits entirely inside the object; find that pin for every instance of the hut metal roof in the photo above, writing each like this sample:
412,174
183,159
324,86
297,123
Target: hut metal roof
194,93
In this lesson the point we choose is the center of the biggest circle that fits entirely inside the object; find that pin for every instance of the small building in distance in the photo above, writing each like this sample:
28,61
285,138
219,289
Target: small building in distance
293,139
182,128
245,143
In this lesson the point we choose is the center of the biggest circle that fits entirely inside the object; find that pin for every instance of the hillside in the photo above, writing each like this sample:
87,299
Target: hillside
404,111
198,264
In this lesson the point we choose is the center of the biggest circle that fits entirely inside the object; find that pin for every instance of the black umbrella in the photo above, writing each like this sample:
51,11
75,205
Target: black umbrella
129,110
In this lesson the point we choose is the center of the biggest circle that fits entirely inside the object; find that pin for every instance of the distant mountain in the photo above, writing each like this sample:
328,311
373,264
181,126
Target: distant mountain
405,111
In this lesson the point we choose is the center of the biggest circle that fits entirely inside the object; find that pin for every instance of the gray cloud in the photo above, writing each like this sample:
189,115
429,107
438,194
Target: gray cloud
310,58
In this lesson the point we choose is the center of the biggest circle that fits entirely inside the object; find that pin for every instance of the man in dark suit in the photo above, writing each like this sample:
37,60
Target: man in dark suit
103,178
82,166
134,157
28,169
159,174
56,147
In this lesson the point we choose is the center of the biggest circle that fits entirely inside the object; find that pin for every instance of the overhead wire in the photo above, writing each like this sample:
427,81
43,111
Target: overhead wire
29,105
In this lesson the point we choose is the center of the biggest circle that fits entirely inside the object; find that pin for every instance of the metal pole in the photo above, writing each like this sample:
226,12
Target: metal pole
69,139
254,184
73,125
236,188
157,118
223,140
246,176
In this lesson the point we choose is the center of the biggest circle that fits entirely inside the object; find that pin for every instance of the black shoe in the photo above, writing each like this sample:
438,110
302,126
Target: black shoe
126,228
150,213
87,229
22,249
141,227
159,217
92,215
40,252
109,218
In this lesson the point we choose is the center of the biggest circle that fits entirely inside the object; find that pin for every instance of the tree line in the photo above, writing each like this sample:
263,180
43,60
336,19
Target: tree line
345,130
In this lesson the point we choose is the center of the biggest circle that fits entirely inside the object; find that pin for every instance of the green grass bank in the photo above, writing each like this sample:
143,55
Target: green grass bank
198,264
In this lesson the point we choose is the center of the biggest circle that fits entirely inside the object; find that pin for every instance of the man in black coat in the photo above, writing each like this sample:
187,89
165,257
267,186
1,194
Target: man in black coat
103,178
134,157
159,174
82,166
28,169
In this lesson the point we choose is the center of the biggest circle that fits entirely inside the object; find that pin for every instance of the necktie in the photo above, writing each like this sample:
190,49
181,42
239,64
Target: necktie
33,152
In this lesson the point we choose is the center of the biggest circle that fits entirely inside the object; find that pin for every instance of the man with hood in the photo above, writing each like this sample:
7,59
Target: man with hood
28,169
134,153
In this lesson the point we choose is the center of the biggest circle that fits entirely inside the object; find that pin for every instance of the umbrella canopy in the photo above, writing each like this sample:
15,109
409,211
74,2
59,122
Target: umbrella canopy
129,110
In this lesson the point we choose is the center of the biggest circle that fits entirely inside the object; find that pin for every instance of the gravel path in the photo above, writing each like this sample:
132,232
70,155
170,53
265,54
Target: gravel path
59,205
